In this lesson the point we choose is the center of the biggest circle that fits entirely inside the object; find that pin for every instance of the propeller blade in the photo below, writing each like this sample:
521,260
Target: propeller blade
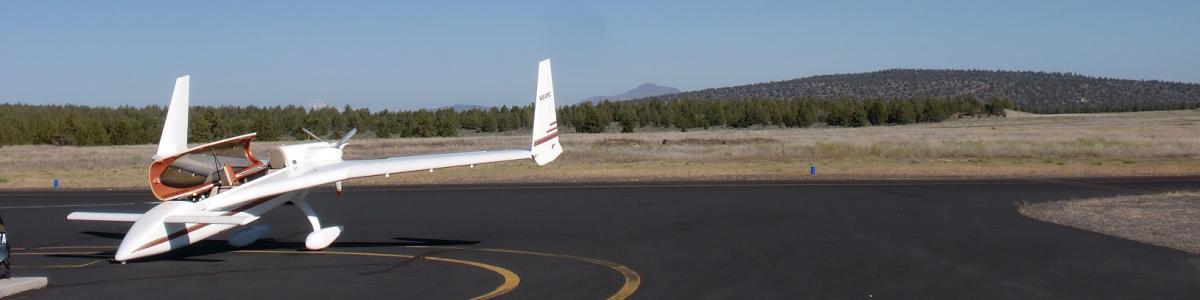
311,134
346,138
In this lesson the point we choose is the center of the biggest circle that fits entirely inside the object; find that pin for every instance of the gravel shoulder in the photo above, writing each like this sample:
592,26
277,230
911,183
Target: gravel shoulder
1170,220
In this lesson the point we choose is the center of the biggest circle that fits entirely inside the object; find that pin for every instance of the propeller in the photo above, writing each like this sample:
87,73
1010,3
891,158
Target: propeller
341,142
345,138
309,133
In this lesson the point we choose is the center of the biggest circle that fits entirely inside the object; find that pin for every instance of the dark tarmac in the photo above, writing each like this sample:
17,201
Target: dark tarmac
777,240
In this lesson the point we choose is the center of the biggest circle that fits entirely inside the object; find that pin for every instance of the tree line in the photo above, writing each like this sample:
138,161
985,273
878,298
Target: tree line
90,126
685,113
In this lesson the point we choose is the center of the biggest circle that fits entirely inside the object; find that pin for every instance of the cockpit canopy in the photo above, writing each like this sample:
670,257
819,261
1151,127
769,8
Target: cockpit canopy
198,170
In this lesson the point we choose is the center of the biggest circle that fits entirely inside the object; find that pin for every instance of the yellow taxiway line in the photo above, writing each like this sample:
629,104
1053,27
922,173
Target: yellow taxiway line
58,266
511,280
632,279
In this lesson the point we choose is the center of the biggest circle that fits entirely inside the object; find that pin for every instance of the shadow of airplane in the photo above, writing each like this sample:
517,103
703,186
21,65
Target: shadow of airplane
208,247
106,235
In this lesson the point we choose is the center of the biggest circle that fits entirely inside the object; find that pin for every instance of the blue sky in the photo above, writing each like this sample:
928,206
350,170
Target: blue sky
403,56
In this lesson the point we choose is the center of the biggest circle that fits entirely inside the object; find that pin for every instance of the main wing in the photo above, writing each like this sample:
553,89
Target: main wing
130,218
300,177
375,167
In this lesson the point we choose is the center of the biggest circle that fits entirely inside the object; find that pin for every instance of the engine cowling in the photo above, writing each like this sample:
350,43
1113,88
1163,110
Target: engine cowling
290,155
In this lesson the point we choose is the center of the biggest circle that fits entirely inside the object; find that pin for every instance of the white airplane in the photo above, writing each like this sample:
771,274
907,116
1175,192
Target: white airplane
219,186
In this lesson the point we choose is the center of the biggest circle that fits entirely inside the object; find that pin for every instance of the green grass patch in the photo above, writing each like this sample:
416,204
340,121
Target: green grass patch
1053,161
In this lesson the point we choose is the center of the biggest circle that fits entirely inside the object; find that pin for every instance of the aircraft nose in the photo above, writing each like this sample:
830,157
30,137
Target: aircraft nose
123,254
127,250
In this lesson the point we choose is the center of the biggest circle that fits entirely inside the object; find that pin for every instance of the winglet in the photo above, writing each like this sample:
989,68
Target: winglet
174,134
545,146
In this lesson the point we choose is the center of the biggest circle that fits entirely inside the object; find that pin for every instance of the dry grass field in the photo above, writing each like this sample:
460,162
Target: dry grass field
1022,145
1170,220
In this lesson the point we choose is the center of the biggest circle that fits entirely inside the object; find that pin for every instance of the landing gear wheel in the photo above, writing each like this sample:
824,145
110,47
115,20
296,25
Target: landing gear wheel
320,238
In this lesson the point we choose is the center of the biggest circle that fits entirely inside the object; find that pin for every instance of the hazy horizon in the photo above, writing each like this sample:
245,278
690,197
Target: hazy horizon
406,56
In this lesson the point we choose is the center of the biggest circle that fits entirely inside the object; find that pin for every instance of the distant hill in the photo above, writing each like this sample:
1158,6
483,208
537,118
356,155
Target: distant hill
1031,91
641,91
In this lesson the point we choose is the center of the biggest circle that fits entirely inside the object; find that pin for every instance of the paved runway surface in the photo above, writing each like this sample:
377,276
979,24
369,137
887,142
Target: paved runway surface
956,239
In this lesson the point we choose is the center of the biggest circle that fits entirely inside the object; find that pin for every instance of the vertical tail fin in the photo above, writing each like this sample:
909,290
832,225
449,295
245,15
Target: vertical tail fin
545,146
174,134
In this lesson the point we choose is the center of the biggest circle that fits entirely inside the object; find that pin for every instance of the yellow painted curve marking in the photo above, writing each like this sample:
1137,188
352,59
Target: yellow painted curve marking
75,266
59,266
53,253
511,280
64,247
632,279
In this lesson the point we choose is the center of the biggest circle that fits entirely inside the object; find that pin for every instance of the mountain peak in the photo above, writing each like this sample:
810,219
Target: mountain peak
641,91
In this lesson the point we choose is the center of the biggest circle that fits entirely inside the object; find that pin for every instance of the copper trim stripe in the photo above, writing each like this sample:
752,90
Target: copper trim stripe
171,236
545,139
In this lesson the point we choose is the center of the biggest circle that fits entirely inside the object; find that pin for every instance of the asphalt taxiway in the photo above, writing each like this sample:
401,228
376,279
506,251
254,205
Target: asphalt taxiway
809,239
